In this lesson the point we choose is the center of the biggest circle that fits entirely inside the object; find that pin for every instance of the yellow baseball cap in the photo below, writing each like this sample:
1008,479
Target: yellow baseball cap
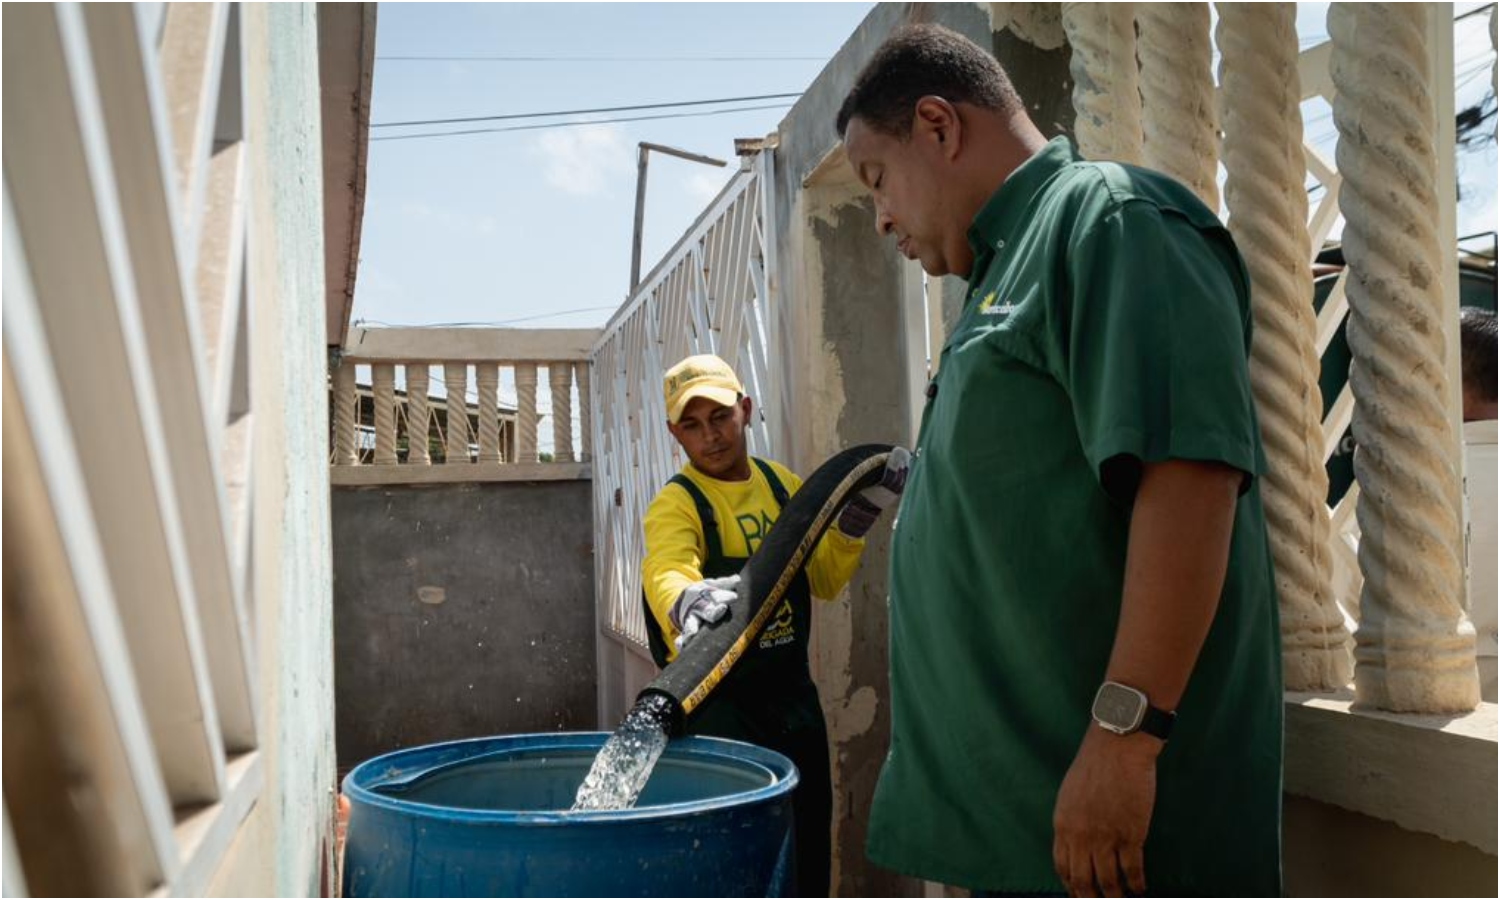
705,375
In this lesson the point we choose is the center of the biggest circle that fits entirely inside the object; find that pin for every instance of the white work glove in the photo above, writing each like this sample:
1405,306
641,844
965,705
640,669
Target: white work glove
702,603
864,508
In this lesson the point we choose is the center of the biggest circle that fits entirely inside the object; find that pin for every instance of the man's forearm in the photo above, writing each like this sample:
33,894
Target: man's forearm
1180,532
1174,573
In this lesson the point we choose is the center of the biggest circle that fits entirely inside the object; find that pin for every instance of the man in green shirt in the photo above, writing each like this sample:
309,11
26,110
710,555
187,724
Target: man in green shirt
1085,659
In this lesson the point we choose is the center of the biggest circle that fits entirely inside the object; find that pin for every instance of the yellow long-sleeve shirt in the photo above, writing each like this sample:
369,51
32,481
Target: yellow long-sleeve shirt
745,511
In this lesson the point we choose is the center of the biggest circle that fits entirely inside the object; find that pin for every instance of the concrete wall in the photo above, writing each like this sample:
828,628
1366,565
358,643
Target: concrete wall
461,611
1388,804
1332,852
862,300
285,846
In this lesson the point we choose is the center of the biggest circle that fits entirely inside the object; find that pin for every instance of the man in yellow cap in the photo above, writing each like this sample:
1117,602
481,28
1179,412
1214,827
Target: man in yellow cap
700,529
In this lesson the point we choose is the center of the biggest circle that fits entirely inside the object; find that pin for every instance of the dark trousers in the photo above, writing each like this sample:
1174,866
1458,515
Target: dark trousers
792,726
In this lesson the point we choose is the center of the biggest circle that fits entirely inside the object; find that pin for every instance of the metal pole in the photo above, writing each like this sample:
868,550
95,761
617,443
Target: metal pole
640,198
640,215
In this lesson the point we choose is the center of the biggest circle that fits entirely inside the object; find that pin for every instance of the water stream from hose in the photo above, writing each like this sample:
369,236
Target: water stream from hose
624,764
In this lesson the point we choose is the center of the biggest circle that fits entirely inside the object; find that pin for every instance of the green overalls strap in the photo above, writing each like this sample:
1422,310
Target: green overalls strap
769,698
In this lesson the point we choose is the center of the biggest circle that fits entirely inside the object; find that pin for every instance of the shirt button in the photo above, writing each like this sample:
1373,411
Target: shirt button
999,245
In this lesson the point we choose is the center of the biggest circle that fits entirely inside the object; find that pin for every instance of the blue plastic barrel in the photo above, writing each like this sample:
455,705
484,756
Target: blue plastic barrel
489,817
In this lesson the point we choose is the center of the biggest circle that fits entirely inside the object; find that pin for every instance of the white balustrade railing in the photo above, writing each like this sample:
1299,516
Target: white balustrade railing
389,427
1387,77
130,327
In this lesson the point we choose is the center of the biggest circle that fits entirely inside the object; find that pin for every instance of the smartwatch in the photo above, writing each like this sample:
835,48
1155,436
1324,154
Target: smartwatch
1125,710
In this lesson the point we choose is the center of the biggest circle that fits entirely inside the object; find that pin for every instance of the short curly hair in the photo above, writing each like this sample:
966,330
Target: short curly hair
919,60
1478,339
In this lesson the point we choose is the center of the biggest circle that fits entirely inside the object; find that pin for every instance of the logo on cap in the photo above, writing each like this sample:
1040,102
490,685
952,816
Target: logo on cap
704,375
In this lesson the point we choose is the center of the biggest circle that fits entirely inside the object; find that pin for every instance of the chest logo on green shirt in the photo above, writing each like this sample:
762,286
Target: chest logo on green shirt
990,306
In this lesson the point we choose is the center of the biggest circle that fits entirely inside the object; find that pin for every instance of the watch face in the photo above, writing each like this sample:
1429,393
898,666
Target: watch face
1119,708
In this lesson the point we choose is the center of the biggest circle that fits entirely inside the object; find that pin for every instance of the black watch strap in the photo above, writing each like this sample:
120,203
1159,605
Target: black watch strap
1158,722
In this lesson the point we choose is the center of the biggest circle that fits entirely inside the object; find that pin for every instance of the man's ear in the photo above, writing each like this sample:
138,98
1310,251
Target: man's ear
937,120
746,407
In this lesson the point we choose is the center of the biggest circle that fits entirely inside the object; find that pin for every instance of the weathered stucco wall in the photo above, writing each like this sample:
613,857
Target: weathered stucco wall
861,288
462,611
1332,852
285,846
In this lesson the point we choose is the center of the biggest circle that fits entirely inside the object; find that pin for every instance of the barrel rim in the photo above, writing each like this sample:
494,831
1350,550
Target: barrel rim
784,774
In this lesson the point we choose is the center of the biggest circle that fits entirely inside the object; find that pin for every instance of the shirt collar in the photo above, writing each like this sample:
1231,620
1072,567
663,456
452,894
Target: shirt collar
712,480
1002,212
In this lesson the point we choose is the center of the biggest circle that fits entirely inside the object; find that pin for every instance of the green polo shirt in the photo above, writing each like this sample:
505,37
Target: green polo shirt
1108,325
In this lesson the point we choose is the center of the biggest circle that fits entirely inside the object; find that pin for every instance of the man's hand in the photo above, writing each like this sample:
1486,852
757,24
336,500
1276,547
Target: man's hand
864,508
1103,813
702,603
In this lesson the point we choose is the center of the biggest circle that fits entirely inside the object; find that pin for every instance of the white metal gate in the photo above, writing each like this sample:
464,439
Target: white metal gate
129,325
710,294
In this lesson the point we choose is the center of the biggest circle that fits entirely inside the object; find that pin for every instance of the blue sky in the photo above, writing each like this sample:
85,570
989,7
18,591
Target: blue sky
497,227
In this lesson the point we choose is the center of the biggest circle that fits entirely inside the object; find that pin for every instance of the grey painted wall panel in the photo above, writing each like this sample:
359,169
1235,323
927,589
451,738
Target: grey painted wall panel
461,611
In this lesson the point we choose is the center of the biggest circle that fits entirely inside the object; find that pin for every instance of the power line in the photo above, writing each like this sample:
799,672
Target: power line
692,115
1310,40
630,108
531,59
580,112
1466,79
1473,12
565,312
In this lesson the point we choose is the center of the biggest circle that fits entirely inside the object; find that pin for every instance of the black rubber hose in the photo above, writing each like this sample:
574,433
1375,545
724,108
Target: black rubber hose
765,578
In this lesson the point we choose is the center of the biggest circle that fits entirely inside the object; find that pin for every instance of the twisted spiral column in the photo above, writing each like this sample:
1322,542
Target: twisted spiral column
418,412
526,412
1106,80
1177,96
1414,647
560,376
1039,24
345,413
1268,217
585,412
383,386
456,383
487,377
